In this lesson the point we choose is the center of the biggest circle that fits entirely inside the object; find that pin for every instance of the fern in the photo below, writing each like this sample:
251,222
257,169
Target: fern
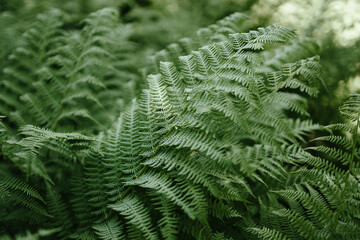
215,146
108,230
177,109
60,75
322,205
16,194
214,33
53,81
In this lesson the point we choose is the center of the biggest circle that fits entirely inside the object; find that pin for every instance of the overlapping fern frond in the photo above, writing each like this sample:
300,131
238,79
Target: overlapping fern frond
223,120
179,144
323,202
60,77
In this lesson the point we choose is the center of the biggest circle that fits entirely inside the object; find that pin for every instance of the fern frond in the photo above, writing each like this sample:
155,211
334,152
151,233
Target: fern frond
322,204
214,33
37,139
109,230
266,233
16,194
169,221
135,212
80,203
188,197
60,216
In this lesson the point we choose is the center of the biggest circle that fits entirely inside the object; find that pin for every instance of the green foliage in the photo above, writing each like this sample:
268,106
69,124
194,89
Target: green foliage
216,142
61,78
322,203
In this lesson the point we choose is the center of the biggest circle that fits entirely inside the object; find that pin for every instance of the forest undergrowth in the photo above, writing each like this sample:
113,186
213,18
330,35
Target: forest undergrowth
208,138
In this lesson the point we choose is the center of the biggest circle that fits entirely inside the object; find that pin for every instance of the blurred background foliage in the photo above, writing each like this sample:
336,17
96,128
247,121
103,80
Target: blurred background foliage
333,24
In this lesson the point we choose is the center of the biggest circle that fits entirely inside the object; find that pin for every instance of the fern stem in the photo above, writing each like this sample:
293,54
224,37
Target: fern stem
339,210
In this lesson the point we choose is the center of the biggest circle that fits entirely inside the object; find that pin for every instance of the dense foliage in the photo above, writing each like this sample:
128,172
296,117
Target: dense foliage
103,135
